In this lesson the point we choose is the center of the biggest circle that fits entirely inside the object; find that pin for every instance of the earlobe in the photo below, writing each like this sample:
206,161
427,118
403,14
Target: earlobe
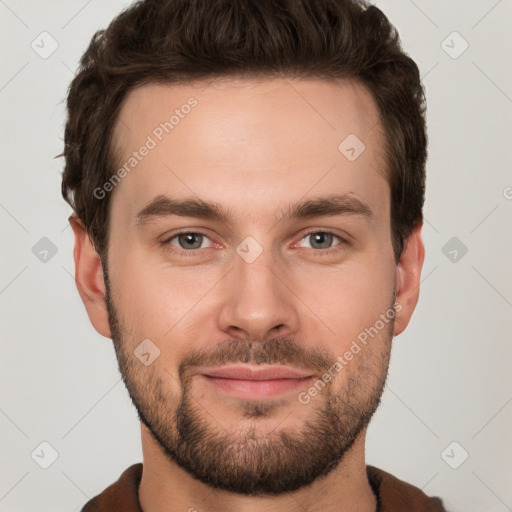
89,278
408,274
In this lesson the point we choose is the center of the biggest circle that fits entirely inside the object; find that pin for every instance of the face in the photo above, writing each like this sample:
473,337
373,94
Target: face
251,283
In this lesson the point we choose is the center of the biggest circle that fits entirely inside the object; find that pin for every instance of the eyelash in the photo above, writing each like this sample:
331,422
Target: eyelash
316,252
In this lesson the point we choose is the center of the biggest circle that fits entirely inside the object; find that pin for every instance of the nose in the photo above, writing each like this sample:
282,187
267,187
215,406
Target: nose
258,300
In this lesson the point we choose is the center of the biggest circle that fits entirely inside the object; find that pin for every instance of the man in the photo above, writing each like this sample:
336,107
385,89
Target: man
248,179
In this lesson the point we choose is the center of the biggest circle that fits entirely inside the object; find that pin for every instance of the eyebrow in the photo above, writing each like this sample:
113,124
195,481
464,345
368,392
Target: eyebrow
331,205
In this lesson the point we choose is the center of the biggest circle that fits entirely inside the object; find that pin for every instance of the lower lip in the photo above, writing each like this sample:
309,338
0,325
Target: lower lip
258,389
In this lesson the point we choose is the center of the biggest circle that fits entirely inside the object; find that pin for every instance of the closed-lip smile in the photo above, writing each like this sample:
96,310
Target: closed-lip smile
257,382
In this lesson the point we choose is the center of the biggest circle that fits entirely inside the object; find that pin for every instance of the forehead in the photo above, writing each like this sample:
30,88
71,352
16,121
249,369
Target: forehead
268,139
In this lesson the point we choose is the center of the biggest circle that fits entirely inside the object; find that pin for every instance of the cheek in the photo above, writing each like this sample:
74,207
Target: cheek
158,302
348,299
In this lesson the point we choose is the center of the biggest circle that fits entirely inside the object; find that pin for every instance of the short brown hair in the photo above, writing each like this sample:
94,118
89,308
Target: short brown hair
173,41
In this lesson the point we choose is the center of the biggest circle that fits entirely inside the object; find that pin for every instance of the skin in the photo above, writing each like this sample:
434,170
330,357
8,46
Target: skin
254,146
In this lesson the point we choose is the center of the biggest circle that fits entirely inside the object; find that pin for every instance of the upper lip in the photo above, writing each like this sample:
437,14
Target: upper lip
248,373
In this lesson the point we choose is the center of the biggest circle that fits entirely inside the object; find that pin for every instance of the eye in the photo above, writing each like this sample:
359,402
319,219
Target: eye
188,241
322,241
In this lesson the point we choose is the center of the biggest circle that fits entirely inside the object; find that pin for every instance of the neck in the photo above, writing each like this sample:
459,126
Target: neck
167,487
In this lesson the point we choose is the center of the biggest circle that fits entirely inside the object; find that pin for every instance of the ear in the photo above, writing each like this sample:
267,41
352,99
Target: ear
89,278
408,274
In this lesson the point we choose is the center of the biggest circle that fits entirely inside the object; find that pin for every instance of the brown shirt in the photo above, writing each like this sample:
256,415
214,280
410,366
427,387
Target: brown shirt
393,495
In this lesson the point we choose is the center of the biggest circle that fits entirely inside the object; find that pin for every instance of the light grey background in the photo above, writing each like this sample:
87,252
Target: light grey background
450,376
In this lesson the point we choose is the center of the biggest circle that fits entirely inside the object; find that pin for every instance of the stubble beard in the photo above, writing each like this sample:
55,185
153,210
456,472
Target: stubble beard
252,462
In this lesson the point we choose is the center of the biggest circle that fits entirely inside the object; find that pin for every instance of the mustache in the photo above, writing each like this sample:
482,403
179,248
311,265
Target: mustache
285,351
